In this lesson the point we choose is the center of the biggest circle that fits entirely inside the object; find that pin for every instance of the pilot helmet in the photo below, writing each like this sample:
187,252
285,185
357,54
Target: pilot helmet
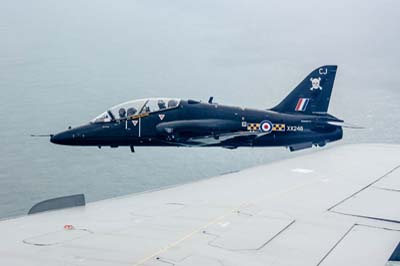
161,104
122,113
172,103
131,111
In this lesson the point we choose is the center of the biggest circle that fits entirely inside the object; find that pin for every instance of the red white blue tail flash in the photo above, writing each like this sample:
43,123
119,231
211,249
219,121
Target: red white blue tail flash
302,104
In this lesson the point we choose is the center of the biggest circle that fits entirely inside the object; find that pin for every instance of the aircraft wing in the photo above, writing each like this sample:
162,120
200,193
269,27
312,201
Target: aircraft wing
337,206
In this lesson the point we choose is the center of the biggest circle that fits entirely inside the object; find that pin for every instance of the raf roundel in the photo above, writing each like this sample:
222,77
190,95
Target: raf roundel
266,126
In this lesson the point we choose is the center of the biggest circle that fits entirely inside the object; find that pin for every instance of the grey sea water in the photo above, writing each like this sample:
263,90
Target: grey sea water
64,62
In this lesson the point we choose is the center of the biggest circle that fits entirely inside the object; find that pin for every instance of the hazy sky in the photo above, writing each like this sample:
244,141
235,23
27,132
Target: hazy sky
228,49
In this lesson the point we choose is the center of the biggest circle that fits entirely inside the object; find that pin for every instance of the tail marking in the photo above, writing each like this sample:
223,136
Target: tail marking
302,104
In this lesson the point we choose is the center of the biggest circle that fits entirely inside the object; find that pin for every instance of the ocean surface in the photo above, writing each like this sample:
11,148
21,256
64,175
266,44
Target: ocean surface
64,62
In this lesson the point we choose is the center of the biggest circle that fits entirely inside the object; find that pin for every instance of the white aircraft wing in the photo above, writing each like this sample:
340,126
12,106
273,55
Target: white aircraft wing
338,206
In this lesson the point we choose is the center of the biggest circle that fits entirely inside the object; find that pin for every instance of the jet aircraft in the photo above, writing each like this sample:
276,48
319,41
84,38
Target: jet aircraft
298,122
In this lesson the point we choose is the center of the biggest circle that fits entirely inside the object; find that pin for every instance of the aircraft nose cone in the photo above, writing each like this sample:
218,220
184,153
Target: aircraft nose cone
64,138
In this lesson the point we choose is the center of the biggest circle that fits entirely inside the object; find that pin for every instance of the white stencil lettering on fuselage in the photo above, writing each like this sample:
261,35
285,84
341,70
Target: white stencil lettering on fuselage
294,128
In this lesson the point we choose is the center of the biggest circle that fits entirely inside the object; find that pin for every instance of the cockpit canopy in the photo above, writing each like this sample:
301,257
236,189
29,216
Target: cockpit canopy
135,107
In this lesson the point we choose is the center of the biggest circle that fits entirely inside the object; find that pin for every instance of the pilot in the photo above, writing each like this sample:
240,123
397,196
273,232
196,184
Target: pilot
161,104
131,111
122,113
172,103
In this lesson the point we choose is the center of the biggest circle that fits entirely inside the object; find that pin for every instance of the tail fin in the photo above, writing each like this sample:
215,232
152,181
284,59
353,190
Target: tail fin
312,95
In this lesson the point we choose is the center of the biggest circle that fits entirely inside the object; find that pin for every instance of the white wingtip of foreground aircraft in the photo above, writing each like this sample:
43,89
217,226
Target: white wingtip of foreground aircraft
339,206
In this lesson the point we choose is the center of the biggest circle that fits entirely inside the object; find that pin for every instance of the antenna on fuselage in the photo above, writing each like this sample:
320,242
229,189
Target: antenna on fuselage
210,99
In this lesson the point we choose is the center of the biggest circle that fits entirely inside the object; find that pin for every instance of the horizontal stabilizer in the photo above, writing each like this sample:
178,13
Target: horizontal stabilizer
343,124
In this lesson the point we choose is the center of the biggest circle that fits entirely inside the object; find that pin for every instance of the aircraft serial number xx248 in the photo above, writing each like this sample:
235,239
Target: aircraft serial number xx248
298,122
